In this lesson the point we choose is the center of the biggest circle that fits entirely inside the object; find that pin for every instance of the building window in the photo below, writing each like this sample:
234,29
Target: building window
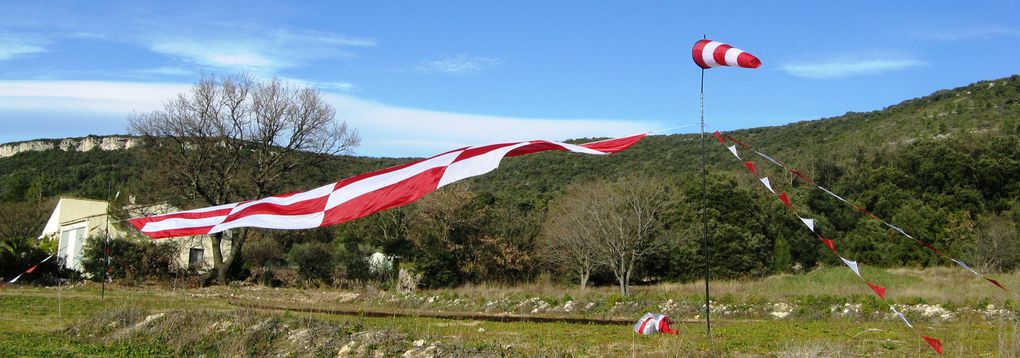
196,258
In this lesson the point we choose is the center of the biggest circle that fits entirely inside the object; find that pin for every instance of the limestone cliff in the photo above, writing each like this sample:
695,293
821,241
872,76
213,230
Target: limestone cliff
81,144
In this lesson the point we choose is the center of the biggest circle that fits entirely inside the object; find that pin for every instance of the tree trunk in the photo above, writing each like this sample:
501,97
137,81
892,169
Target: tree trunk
218,267
584,277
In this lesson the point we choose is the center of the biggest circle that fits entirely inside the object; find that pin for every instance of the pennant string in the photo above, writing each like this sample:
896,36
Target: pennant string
27,271
880,291
805,178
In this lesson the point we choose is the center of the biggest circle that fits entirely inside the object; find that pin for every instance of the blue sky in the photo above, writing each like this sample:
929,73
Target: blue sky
418,78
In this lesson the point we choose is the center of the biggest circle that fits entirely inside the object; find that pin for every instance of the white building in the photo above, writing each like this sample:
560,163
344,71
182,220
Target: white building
73,220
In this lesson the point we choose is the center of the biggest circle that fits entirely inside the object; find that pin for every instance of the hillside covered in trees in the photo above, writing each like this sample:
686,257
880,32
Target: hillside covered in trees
943,167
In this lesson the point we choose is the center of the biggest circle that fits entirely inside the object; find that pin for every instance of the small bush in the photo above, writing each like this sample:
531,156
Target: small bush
133,260
314,261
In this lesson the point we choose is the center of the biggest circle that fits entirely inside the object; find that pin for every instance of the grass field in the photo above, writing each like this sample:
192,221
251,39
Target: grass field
160,321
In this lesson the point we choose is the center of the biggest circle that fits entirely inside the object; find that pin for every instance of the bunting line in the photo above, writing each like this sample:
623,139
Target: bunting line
854,266
861,209
27,271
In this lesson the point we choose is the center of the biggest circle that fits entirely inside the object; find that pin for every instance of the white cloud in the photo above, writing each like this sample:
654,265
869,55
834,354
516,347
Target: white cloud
400,131
848,67
167,71
90,96
11,47
460,64
258,53
387,130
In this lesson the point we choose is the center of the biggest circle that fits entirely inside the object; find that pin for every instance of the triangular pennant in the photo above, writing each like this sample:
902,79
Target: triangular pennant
810,223
833,194
799,175
853,266
958,262
733,149
30,269
932,248
900,314
785,199
15,279
768,184
866,212
934,343
46,259
719,137
879,290
750,166
994,282
828,243
773,160
730,138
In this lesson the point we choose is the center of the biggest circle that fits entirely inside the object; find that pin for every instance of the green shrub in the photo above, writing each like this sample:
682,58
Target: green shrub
314,261
130,259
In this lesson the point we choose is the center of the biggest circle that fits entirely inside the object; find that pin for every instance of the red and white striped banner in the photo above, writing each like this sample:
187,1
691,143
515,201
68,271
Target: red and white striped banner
854,266
708,54
361,195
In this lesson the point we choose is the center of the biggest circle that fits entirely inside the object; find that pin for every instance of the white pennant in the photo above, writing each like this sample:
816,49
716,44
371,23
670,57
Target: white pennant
15,279
46,259
904,318
733,149
833,194
852,265
776,162
966,267
810,223
768,184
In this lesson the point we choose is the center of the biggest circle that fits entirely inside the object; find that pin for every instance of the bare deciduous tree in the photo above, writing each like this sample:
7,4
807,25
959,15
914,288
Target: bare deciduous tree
614,224
233,138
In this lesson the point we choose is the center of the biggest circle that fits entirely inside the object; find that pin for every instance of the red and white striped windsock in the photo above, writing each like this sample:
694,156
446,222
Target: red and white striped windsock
708,54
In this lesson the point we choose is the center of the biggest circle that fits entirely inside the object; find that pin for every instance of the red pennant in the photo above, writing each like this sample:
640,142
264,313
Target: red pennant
932,248
750,166
994,282
785,199
30,269
879,290
742,144
719,137
799,175
868,213
828,243
934,343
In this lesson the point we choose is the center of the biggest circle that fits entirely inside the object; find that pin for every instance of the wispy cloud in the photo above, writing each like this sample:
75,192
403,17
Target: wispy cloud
259,53
387,130
841,68
460,64
166,71
425,132
13,46
981,32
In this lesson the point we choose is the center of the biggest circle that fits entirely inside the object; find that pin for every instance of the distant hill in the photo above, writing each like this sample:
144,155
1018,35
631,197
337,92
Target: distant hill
987,109
943,167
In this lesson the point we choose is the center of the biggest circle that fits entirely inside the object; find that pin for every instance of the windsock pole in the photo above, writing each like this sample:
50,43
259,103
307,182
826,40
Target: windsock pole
704,207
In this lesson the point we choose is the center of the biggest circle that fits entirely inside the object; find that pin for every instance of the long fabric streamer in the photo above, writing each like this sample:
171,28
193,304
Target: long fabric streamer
361,195
880,291
29,270
861,209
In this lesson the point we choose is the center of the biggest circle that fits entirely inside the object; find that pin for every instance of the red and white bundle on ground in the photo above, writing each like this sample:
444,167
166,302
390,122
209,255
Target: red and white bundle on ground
361,195
708,54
